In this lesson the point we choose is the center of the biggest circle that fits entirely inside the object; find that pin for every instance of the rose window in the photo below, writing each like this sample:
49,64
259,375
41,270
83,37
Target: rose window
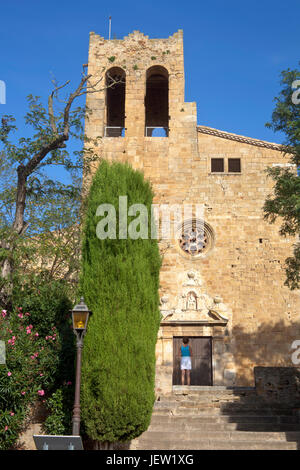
195,238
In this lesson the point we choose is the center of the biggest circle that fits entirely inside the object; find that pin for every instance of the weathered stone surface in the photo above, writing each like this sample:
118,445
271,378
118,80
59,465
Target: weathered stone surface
33,425
245,264
219,419
278,384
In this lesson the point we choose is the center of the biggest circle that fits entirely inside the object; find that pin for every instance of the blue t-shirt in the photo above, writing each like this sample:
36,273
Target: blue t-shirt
185,351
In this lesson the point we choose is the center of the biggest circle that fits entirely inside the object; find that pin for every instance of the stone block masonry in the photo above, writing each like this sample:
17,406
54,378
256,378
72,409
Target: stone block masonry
243,265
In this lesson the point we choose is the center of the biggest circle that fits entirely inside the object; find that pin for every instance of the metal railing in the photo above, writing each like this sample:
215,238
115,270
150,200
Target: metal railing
156,131
114,131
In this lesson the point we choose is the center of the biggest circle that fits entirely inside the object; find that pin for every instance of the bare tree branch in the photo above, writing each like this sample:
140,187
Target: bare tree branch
85,86
50,105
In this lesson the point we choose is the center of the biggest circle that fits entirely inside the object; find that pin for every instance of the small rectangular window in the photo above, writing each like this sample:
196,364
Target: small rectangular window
234,165
217,165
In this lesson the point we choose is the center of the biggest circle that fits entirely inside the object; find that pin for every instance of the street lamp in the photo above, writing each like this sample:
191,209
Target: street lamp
80,317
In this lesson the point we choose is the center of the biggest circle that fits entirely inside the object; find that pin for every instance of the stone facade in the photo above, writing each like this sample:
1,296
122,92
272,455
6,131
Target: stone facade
239,293
278,385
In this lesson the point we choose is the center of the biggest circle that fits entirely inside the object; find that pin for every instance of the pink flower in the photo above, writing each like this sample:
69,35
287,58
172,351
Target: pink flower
27,314
9,374
23,393
41,393
28,332
36,334
20,315
4,312
6,428
12,414
41,375
69,383
32,357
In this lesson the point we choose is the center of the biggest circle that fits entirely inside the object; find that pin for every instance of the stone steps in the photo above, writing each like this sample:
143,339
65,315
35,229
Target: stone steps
192,435
219,419
199,411
207,444
223,426
244,419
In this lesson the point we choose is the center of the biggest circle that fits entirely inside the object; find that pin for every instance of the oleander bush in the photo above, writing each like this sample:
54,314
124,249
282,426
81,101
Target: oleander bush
47,302
32,371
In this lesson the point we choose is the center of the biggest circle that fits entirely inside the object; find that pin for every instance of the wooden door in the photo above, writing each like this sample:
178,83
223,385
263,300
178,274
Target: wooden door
201,373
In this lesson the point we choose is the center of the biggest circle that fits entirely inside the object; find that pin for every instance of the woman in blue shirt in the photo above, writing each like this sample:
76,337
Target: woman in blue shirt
186,361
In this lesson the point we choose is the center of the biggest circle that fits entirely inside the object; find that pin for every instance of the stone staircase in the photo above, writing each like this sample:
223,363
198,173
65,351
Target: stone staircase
219,418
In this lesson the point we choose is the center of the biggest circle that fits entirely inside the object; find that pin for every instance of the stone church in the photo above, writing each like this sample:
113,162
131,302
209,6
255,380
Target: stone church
222,287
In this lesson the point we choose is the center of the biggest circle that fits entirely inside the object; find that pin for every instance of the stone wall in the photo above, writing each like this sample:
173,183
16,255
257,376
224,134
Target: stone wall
245,265
278,384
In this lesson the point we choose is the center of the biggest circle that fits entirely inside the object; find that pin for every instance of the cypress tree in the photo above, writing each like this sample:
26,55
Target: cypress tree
119,281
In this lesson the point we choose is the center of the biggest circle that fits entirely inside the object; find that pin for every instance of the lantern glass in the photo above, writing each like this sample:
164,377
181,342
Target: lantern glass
80,320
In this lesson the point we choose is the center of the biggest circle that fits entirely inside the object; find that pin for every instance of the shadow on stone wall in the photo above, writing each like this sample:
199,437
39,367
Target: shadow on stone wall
263,344
264,357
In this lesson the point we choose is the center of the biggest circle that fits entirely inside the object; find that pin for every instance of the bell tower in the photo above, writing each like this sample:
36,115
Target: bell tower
140,113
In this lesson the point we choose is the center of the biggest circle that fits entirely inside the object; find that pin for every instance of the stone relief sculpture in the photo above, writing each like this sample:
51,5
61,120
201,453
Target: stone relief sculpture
192,304
219,308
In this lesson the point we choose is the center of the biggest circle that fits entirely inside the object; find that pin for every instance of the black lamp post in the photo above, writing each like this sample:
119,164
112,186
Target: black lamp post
80,317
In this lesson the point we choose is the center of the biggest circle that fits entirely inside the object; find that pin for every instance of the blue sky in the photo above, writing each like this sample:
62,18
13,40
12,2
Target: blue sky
234,50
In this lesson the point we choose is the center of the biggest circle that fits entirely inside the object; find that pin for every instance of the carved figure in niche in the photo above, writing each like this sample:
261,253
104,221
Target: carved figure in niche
191,302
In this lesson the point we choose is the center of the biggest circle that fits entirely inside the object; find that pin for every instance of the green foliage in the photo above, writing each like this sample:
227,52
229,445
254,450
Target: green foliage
44,254
153,58
286,115
119,281
112,58
59,421
285,201
49,306
51,221
48,303
11,424
135,67
31,368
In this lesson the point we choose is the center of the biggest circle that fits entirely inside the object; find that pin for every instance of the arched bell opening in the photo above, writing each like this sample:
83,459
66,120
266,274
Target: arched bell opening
115,81
157,102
